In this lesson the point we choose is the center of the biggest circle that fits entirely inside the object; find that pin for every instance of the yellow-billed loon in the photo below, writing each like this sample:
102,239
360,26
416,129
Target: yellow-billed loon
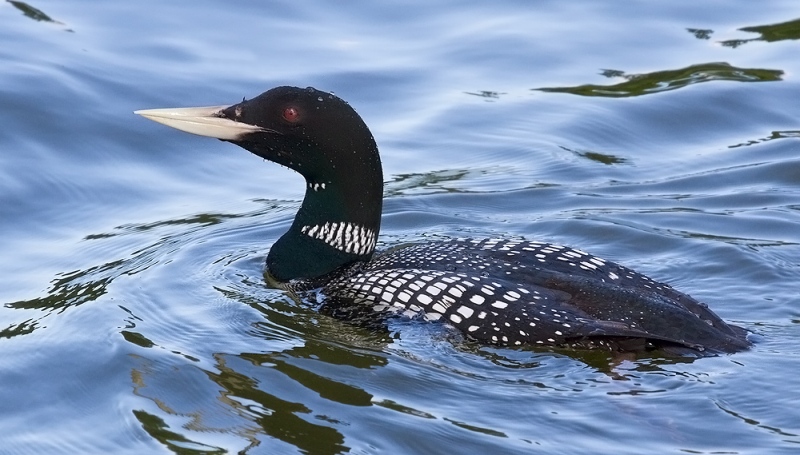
499,291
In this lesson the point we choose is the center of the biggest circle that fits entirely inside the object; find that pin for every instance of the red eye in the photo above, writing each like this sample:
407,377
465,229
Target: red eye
291,114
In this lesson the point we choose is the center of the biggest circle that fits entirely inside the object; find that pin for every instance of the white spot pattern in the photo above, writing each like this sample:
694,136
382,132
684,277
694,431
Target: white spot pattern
476,287
347,237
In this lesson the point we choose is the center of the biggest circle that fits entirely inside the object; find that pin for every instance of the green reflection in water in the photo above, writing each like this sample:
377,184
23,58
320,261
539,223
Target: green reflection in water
700,33
33,13
23,328
176,442
137,339
661,81
277,417
486,431
405,184
773,135
489,95
769,33
395,406
76,287
604,158
71,290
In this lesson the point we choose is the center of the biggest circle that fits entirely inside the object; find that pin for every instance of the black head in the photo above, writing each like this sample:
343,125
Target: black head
320,136
310,131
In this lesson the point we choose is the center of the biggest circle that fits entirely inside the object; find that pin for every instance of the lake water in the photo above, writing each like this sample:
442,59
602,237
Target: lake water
135,318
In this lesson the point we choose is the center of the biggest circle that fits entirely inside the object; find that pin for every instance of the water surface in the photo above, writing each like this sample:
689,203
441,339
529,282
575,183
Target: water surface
135,318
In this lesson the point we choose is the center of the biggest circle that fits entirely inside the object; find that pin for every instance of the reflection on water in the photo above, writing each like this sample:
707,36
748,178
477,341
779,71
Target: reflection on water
604,158
74,288
321,376
488,94
249,388
35,13
316,383
769,33
135,317
308,396
661,81
31,12
774,135
176,442
700,33
404,184
21,328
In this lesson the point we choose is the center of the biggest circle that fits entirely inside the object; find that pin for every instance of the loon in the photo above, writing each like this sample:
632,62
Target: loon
496,291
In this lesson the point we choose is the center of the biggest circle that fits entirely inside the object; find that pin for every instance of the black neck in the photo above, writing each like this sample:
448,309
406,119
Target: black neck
337,224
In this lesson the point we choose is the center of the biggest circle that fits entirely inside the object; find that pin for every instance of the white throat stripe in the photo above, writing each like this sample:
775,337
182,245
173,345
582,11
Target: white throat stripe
347,237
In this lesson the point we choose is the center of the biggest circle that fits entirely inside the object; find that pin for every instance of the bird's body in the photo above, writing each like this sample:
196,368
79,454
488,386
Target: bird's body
500,291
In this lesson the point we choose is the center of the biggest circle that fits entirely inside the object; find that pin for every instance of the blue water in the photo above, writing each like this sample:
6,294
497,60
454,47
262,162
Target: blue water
135,319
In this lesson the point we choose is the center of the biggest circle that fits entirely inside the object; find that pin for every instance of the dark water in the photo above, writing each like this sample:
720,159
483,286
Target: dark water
135,319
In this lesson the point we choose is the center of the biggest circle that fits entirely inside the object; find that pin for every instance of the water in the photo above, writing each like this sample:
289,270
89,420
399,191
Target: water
135,318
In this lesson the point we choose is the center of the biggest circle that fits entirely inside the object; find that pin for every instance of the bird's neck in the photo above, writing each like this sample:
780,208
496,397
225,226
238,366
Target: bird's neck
337,225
